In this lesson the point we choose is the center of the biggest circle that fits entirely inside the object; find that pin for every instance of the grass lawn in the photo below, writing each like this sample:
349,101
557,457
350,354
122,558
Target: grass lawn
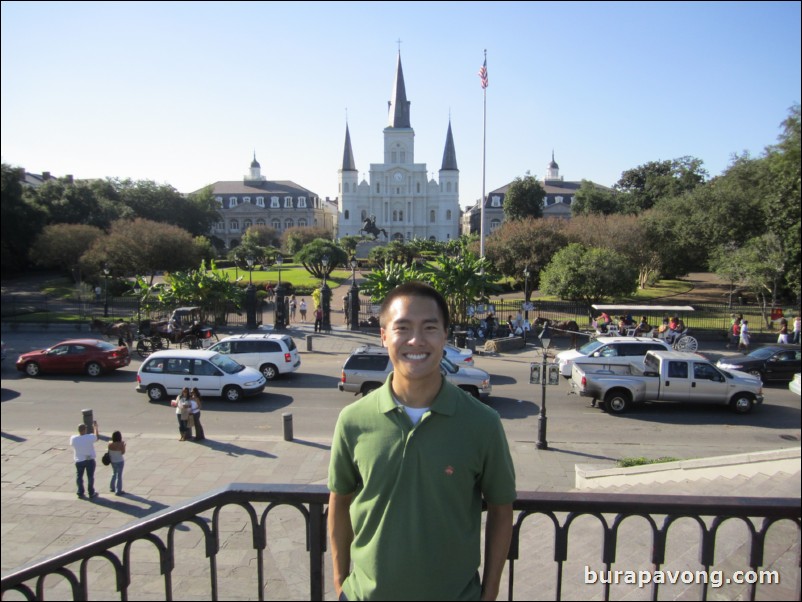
295,274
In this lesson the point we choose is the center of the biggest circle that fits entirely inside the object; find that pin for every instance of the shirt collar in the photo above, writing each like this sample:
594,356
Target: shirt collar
445,402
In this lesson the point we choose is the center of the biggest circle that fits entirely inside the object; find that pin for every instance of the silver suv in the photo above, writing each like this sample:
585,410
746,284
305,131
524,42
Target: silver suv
271,354
367,368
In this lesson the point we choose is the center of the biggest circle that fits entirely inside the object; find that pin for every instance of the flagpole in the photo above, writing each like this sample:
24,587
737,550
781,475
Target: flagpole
484,160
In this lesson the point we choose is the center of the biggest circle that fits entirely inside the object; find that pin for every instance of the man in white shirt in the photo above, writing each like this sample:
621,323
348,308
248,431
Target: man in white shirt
83,445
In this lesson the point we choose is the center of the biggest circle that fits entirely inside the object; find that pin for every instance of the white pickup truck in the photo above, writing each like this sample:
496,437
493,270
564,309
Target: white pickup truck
666,376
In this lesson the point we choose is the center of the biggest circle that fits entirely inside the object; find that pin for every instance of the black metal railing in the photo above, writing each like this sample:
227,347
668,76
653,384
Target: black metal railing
560,512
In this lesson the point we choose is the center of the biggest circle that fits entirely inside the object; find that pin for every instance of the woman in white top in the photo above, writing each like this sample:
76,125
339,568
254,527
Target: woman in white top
182,409
116,453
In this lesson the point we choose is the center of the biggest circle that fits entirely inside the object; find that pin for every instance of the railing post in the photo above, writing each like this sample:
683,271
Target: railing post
317,548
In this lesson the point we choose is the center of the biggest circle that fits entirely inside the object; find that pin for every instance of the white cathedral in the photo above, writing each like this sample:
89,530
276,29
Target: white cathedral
399,197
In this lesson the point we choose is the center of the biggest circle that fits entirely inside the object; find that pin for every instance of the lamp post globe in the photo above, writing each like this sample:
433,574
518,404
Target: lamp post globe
106,291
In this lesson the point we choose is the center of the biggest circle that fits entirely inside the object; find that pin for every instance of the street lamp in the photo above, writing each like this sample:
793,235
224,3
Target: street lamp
250,296
137,292
279,321
526,300
545,339
353,297
325,296
106,292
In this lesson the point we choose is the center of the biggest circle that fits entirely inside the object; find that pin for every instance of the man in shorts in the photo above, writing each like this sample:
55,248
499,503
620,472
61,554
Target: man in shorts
410,466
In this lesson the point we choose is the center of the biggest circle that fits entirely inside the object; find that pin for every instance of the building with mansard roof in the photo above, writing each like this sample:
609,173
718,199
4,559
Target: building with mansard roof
257,201
398,195
556,203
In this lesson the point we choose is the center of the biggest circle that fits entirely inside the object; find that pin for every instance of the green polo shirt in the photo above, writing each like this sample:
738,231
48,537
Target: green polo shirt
416,512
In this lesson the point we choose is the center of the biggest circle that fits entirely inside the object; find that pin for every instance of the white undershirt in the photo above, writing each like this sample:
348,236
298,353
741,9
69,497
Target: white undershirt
415,414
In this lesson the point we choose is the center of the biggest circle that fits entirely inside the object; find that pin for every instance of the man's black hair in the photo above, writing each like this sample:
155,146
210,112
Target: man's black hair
415,288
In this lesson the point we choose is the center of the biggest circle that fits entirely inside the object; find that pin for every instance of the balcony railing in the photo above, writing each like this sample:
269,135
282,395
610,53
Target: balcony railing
611,536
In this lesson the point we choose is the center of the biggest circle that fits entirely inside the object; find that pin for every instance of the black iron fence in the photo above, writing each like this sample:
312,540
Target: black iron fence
565,545
48,310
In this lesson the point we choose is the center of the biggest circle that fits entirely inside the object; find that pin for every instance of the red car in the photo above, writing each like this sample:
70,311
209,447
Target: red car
75,356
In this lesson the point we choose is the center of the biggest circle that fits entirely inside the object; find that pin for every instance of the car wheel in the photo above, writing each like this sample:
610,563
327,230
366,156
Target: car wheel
94,369
617,402
742,403
156,393
368,388
32,369
473,391
232,393
269,371
756,373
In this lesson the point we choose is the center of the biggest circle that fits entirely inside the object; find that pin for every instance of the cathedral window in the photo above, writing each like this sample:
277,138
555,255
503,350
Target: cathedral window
364,215
274,202
448,186
395,216
345,187
418,187
401,216
378,188
345,214
393,157
403,157
448,215
432,216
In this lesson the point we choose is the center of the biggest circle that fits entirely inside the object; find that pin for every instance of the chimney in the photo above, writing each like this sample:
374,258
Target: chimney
45,176
68,177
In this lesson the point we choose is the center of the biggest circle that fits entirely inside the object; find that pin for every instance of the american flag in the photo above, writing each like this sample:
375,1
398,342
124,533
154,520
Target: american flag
483,74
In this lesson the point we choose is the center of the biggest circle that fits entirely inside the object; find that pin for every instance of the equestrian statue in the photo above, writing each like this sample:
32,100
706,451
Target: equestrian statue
369,227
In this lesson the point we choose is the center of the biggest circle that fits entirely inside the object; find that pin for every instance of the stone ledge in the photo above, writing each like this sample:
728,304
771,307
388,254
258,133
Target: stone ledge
748,464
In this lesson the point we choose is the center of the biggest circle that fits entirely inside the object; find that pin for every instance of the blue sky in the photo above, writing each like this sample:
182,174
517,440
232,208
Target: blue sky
183,92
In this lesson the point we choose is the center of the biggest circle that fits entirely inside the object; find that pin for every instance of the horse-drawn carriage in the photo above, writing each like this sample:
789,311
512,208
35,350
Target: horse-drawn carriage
680,339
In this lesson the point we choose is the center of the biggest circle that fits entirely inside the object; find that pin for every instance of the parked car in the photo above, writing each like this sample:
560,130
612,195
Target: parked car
626,349
459,356
271,354
164,373
773,362
367,369
75,356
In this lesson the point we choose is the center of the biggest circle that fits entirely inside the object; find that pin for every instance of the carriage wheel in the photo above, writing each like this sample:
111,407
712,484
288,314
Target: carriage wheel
144,348
189,342
161,342
686,343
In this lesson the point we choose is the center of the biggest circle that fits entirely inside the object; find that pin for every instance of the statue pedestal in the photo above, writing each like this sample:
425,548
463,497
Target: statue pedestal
364,248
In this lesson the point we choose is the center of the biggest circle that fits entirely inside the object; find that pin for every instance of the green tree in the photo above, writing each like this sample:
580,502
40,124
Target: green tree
210,290
527,243
294,239
311,257
463,279
378,284
163,203
349,244
593,199
524,198
591,275
62,245
646,184
21,222
396,251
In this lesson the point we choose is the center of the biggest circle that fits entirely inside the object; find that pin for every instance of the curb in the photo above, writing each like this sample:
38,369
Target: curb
749,464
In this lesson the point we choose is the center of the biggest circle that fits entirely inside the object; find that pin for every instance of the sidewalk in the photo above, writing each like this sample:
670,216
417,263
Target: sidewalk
41,514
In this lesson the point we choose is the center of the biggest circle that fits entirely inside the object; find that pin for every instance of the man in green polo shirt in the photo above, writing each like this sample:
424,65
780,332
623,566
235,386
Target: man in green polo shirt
410,464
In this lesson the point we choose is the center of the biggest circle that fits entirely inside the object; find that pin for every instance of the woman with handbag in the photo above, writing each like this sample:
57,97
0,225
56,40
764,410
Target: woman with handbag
182,405
116,452
195,399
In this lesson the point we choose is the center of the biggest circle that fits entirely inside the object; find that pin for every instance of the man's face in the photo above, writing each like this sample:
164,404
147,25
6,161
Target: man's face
415,336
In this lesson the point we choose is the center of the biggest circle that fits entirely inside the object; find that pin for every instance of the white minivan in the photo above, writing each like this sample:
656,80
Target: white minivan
271,354
610,350
164,373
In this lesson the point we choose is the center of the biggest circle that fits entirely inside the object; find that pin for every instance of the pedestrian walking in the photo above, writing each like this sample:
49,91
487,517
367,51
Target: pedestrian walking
318,319
183,407
116,451
743,341
783,336
302,309
293,307
797,329
197,404
83,445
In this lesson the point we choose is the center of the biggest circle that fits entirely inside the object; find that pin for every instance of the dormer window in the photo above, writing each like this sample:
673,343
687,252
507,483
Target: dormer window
288,202
558,199
495,201
260,201
219,200
274,202
247,199
302,202
232,202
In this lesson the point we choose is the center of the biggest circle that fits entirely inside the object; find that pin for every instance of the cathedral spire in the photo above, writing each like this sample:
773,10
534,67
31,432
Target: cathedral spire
348,154
449,154
399,105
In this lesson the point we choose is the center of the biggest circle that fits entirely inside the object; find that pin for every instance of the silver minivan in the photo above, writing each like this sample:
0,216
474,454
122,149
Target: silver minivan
164,373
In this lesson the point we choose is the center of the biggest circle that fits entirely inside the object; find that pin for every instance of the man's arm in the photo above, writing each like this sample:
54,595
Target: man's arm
341,534
498,534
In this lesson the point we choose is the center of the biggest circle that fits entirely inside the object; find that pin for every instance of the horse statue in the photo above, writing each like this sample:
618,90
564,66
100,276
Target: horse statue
566,327
369,226
122,331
